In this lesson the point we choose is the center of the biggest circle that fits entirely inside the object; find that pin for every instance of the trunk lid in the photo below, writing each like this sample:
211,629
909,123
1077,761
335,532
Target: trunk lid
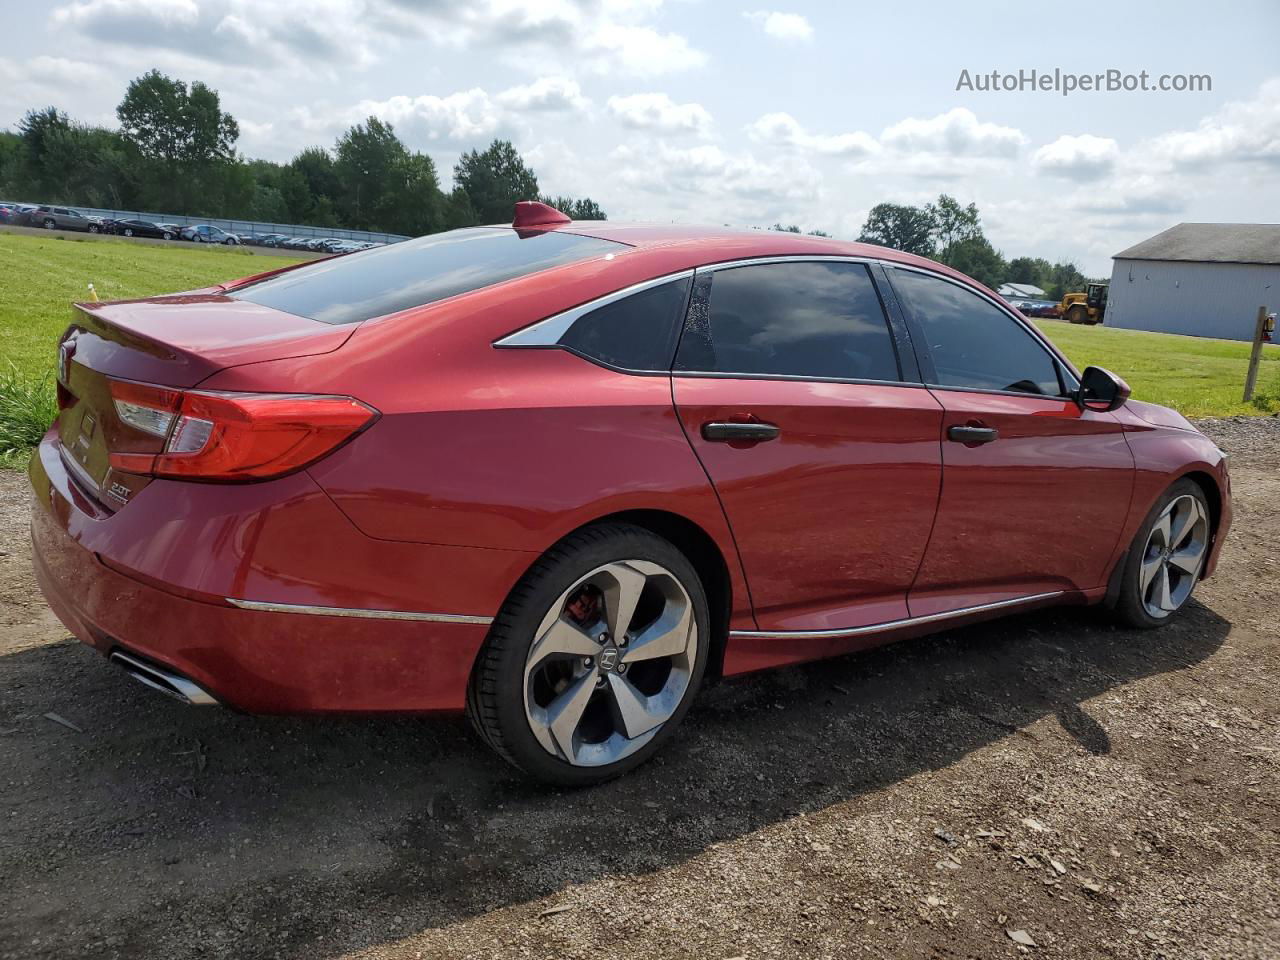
176,341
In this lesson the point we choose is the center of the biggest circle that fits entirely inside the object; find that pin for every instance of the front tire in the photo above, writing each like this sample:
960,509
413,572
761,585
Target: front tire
128,232
1166,558
594,658
1078,314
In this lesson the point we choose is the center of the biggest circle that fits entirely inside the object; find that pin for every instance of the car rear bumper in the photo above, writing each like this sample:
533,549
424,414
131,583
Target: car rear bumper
256,660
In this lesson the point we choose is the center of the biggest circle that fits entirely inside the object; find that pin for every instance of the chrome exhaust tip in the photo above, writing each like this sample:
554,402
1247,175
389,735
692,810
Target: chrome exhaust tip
170,684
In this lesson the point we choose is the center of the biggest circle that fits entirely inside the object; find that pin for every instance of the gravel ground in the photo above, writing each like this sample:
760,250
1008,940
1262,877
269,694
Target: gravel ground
1047,779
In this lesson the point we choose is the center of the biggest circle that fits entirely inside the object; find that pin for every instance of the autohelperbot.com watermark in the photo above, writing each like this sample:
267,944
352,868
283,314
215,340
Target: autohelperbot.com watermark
1065,82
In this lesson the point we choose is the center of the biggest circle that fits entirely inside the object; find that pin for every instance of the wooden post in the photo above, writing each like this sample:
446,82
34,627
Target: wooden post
1255,356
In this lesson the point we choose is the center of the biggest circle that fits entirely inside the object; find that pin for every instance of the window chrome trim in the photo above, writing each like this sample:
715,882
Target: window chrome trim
789,258
267,607
798,377
547,333
887,625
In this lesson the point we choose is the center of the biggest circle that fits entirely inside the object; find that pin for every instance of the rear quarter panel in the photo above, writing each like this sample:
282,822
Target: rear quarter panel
508,449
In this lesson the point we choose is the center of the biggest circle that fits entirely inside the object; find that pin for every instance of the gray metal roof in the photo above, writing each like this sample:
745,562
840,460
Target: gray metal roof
1211,243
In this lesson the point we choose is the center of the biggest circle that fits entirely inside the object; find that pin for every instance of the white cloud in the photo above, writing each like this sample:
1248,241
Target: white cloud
782,129
729,184
1132,194
602,36
781,26
97,14
657,111
314,34
1083,157
956,133
1241,131
463,117
324,36
640,50
545,93
40,81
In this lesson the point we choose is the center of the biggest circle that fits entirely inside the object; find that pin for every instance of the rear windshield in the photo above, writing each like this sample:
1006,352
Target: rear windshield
373,283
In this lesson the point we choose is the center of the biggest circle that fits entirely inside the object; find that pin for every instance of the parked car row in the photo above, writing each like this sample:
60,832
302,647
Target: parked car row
66,218
1036,308
49,216
315,244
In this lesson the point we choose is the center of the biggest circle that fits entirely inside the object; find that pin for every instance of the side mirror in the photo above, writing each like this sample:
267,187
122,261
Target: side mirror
1101,390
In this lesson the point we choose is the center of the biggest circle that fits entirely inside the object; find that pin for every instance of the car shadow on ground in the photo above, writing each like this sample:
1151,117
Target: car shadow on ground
314,836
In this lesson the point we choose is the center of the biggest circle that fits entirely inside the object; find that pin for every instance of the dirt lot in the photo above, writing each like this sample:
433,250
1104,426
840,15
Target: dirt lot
1046,779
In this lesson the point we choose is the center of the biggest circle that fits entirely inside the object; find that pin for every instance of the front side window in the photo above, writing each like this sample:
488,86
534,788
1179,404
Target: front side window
813,319
972,342
637,332
413,273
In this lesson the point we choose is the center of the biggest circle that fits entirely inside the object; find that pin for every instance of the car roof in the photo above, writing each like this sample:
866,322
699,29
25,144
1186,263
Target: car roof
717,244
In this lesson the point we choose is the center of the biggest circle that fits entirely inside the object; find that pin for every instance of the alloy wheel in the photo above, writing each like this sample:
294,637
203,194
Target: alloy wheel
1173,556
610,663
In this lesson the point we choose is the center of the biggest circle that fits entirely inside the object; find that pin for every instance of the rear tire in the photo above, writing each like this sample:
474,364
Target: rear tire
49,224
1166,558
594,658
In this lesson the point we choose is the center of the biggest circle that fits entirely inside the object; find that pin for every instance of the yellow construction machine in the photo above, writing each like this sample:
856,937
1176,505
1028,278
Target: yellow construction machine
1088,307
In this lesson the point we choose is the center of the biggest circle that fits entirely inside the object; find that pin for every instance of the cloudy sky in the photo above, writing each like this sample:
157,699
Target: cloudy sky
723,112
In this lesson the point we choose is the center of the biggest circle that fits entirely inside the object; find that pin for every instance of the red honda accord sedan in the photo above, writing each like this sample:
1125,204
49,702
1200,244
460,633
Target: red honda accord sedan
558,474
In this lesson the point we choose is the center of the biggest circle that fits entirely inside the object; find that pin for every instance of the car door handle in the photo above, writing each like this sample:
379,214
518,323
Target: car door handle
740,432
971,434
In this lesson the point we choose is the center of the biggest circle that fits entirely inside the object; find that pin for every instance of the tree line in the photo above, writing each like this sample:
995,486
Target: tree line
952,234
175,152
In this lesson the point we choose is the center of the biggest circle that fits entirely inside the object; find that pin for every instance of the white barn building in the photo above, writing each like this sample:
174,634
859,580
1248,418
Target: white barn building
1199,279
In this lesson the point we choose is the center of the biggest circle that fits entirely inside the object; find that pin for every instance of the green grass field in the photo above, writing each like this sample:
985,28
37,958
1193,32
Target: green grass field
1195,376
40,277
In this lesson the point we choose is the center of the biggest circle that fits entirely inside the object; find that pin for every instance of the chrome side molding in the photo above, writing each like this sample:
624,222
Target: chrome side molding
315,611
547,333
888,624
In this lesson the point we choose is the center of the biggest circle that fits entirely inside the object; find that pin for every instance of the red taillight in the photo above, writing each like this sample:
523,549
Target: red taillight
233,436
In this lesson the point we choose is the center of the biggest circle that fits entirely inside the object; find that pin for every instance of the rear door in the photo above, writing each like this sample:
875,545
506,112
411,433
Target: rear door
824,454
1035,490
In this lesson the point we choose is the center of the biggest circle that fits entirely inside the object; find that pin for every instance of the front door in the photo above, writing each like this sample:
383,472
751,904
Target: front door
788,386
1035,490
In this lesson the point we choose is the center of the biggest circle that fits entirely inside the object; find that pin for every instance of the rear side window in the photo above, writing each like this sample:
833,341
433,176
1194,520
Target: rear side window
635,333
820,319
373,283
974,343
